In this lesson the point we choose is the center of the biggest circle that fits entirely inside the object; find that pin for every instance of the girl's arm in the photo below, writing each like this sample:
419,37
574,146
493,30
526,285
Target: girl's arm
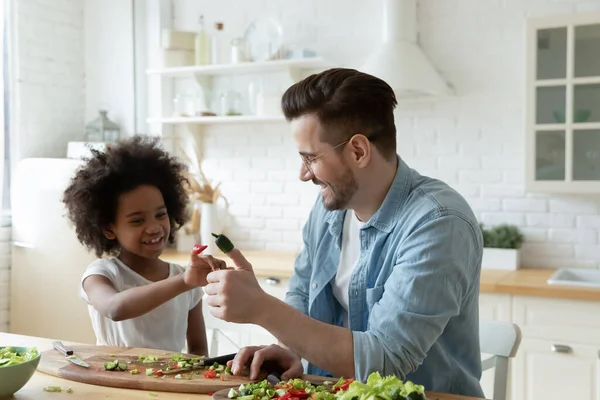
134,302
196,332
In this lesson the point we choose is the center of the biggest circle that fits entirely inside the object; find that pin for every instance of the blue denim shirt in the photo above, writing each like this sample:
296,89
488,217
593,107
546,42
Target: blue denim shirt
413,308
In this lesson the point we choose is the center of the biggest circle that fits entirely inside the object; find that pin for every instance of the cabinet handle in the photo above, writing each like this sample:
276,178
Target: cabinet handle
272,280
561,348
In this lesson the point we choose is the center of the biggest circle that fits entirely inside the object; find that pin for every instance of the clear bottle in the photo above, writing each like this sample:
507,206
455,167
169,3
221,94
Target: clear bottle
217,44
201,45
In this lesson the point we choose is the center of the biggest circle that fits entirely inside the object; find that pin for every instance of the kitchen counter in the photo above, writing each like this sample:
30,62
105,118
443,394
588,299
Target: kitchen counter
525,281
34,389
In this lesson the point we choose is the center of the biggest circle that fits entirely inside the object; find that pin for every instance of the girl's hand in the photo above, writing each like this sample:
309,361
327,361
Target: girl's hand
200,267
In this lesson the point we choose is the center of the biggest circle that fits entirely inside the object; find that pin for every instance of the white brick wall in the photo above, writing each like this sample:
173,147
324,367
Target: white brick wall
474,141
49,75
49,100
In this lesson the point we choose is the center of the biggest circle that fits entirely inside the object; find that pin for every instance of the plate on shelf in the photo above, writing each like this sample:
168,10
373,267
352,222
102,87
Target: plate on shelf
263,39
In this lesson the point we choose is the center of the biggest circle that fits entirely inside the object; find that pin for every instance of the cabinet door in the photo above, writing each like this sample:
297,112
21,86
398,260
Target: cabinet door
545,369
563,104
495,307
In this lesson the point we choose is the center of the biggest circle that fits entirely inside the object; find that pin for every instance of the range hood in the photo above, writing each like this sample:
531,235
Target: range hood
399,60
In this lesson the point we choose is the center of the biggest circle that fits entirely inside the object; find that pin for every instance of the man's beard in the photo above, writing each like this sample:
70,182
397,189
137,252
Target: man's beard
340,193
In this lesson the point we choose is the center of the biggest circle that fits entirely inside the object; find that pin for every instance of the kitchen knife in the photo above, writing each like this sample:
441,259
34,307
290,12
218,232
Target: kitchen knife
207,362
68,353
219,360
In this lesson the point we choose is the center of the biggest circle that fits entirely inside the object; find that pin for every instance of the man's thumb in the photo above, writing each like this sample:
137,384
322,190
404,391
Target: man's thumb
239,260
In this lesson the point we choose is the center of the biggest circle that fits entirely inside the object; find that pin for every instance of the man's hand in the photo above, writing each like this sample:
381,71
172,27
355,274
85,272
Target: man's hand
200,267
257,355
234,295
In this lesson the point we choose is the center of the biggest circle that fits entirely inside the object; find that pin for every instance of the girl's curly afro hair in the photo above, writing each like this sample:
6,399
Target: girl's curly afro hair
92,196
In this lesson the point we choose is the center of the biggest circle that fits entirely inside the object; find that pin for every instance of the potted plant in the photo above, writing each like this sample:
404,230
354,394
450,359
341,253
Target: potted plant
501,247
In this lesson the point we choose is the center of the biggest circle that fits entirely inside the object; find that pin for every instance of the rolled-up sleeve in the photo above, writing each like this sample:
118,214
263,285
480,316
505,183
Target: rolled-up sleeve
435,266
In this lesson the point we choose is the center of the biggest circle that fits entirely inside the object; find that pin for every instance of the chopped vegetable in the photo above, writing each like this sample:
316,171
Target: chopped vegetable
199,248
69,390
376,388
210,374
133,372
152,394
223,243
149,371
115,366
9,356
54,389
148,359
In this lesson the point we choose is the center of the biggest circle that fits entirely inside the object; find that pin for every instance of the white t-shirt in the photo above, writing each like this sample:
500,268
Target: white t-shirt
163,328
348,258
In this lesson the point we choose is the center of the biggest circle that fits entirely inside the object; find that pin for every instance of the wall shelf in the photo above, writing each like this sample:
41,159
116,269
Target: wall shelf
241,68
217,120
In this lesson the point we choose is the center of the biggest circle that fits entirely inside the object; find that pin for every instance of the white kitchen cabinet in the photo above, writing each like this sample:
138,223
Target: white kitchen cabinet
495,307
563,104
547,369
558,356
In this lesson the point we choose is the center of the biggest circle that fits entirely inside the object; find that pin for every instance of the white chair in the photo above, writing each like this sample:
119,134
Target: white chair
501,340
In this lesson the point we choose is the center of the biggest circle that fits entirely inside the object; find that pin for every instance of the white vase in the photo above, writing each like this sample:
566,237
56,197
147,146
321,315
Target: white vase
209,223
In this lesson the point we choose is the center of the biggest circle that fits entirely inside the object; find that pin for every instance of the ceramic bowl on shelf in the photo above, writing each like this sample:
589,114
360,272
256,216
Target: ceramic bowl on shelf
579,116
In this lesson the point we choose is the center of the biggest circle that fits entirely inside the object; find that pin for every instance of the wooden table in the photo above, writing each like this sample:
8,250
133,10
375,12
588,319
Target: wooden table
34,388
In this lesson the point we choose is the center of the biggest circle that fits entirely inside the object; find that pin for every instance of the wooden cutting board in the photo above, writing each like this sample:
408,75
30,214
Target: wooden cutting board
222,395
54,363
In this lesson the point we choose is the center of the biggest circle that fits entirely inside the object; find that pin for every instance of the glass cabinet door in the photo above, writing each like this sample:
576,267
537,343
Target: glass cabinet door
563,104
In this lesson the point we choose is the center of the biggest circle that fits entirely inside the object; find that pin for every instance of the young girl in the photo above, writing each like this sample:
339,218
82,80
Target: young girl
126,203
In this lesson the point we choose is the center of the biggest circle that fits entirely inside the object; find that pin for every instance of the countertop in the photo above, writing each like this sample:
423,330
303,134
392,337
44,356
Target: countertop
34,389
524,281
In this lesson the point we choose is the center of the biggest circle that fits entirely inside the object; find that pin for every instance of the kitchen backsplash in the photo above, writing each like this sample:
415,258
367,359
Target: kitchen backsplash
474,141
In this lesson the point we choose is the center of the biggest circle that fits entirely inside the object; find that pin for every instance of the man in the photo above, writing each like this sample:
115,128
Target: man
388,278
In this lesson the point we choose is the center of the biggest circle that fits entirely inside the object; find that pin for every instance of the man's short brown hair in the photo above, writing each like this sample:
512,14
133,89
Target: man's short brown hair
346,102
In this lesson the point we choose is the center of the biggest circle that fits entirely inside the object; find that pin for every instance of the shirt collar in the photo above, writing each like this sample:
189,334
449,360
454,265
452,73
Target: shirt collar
384,218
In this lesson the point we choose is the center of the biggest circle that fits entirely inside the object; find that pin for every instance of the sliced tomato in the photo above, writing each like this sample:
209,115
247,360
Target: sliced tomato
286,396
298,393
210,374
345,385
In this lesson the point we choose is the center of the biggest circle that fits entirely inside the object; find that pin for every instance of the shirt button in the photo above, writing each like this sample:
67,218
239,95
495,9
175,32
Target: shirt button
314,285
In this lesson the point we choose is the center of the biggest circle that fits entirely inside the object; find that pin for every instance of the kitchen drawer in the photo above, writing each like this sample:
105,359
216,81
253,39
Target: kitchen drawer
558,319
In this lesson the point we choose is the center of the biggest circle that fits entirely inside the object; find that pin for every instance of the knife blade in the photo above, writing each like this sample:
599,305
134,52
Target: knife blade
207,362
69,355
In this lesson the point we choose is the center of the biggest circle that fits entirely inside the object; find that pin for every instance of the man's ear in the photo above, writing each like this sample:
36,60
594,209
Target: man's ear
109,234
361,149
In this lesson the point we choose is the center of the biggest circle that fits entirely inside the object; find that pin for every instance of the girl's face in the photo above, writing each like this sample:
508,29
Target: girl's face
142,224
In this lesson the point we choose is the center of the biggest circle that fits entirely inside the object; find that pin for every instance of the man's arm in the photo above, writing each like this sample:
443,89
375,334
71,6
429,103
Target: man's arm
327,346
297,294
422,294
